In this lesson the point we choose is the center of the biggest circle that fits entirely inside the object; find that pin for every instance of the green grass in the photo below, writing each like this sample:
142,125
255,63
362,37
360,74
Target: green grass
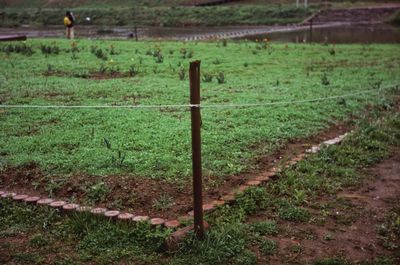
86,3
162,13
231,240
156,143
161,16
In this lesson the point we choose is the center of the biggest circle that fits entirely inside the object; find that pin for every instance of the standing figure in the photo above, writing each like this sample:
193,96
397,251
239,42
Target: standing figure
69,21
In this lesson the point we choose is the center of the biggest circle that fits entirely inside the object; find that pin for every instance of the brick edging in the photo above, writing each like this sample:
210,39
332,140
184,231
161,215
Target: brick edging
96,211
173,240
174,224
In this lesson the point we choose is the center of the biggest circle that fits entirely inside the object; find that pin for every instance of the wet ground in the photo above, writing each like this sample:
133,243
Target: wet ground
346,33
333,32
356,25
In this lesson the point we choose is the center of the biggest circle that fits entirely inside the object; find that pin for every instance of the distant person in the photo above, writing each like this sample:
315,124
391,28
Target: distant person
69,21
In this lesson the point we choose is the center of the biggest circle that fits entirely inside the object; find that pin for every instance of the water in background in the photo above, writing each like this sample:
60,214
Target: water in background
364,33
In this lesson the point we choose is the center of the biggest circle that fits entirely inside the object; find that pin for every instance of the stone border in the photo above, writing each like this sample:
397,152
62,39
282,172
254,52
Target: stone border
173,241
72,207
265,176
175,238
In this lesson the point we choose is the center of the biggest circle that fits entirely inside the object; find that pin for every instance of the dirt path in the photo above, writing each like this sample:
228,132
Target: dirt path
351,230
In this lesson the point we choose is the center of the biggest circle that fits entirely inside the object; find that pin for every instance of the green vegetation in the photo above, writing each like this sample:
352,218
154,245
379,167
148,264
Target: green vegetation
73,238
155,143
162,16
265,228
163,13
231,240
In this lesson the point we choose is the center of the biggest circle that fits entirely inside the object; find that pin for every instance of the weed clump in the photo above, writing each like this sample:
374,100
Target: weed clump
265,228
49,49
267,246
99,53
97,192
295,214
207,78
133,70
253,200
20,48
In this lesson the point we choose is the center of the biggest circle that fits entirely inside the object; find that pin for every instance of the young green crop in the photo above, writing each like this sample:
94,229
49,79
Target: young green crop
80,238
155,143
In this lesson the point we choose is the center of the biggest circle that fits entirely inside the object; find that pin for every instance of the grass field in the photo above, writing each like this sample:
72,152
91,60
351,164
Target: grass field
160,16
155,143
273,223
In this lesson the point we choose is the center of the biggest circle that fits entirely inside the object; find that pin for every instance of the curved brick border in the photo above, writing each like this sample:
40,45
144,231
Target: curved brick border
72,207
178,235
173,240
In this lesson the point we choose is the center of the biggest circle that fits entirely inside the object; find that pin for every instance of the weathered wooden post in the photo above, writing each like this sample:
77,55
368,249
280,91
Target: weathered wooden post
194,76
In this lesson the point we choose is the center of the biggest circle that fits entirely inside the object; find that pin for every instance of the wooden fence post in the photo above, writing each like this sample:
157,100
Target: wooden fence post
194,76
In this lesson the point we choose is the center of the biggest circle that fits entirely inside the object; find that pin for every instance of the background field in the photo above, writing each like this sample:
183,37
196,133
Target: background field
163,13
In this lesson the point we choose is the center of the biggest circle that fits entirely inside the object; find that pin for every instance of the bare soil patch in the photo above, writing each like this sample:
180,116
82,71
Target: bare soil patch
139,195
350,227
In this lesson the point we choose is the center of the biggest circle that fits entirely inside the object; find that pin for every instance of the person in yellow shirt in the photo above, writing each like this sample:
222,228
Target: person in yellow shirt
69,21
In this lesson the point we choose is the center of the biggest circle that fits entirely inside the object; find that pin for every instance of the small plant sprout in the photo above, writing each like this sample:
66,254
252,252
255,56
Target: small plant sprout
221,78
181,74
163,202
207,78
216,61
133,70
99,53
103,68
97,192
267,246
324,80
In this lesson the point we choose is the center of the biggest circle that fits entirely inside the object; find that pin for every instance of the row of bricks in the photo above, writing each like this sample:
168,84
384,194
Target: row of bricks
208,207
257,181
69,207
173,240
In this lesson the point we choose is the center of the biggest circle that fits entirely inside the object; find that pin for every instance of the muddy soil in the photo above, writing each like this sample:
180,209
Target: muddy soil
350,230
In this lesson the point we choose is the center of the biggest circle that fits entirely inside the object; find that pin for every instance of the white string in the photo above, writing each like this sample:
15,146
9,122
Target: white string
194,105
97,106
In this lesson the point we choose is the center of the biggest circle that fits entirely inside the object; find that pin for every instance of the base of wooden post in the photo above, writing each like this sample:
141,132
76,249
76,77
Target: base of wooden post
173,241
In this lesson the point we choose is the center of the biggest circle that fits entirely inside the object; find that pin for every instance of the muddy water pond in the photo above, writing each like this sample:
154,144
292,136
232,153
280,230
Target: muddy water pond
361,33
330,33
